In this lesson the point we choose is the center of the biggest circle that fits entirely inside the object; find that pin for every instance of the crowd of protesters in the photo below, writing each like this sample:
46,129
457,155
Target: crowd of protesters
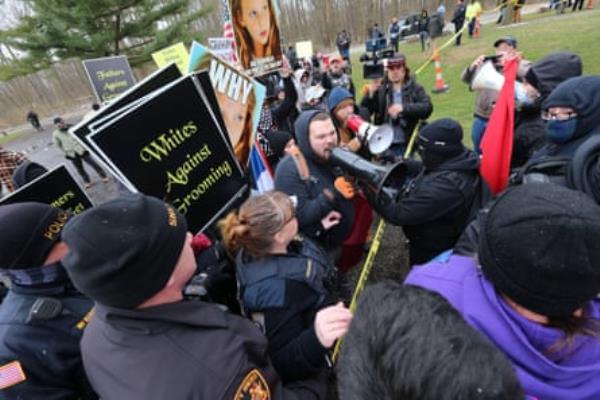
501,301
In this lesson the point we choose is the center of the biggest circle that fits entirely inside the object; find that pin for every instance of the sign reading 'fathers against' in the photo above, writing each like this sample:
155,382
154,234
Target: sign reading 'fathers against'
56,187
172,147
109,76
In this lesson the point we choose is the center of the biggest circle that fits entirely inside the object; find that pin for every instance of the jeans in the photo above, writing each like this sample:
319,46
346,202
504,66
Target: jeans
424,36
477,130
78,163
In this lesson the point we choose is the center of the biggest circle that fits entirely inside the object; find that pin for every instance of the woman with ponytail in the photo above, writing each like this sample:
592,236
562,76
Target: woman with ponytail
286,284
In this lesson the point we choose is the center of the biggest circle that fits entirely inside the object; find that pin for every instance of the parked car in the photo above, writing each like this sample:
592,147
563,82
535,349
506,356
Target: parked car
409,25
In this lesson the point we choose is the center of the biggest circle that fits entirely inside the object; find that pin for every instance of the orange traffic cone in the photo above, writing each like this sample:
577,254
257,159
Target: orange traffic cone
477,29
440,86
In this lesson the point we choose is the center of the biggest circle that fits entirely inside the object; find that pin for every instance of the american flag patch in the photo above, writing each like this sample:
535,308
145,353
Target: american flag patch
11,374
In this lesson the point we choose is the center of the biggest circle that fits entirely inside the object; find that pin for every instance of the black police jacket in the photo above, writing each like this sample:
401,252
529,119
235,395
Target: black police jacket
282,293
47,350
437,207
182,350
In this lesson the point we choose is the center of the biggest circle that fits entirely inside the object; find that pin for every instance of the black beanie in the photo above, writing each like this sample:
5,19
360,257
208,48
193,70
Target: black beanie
124,251
277,141
29,231
26,172
539,246
442,137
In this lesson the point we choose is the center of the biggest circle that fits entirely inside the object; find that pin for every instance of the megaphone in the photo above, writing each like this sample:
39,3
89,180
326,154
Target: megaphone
488,78
378,138
385,183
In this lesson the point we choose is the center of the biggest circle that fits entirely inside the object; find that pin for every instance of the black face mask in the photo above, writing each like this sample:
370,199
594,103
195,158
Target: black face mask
430,159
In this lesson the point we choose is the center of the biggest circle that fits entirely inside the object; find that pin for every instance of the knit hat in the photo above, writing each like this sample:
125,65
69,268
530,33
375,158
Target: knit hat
539,246
29,231
442,137
337,95
124,251
277,142
26,172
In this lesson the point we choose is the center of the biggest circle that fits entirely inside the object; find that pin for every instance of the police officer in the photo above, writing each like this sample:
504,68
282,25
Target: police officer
132,255
42,318
440,200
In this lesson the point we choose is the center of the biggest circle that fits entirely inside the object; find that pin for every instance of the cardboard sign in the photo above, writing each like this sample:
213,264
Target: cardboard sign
257,37
109,76
239,96
153,82
56,187
172,147
176,53
224,48
304,49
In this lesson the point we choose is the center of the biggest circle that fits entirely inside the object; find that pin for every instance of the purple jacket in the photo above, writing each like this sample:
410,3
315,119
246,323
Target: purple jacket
571,374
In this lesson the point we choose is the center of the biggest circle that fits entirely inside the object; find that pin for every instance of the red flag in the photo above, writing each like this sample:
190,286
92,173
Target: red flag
497,143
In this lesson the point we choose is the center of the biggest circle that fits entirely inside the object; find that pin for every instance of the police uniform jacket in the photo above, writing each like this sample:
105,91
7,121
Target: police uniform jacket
182,350
46,349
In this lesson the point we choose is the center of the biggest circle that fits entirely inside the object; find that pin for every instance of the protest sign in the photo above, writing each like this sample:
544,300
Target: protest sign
240,98
56,187
223,48
176,53
304,49
109,76
255,25
171,146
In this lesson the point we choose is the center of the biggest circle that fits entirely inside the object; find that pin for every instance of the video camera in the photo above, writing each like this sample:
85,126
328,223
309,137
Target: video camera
372,63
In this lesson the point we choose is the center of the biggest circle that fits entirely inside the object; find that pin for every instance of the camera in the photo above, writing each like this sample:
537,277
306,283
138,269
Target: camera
372,63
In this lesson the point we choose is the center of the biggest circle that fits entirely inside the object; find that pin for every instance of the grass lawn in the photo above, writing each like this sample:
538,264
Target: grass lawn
538,35
4,139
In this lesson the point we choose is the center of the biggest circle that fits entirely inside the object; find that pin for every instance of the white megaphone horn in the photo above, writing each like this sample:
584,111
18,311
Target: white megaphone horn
378,138
488,78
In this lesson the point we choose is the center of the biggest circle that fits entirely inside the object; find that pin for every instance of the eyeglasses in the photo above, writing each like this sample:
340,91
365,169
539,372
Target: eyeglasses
547,116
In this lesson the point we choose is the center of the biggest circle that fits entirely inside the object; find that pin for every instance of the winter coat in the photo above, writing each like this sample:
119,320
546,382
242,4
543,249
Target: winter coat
571,374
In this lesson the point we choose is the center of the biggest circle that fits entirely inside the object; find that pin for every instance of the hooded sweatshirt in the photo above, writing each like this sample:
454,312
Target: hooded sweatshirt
437,207
545,75
573,373
583,95
313,204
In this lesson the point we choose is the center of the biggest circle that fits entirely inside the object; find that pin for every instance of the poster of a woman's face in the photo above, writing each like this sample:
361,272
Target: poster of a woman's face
256,35
240,98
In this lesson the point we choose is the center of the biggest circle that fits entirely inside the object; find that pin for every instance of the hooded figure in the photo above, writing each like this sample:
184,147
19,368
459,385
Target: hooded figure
533,288
438,203
543,76
572,112
317,197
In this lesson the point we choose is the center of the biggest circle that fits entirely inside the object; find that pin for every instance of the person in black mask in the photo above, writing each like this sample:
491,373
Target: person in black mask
572,115
43,317
540,80
437,204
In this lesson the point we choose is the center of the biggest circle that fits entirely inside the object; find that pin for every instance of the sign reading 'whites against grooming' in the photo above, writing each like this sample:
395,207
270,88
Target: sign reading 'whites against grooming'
171,146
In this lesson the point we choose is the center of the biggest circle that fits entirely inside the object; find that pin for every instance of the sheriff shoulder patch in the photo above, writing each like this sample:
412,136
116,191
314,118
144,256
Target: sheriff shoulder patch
11,374
253,387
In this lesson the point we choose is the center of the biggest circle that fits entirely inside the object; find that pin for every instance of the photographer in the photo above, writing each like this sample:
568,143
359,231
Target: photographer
438,203
506,47
400,101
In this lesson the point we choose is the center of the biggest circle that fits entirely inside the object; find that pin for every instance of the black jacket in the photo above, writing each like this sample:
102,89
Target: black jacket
437,207
313,204
329,81
286,290
458,18
284,112
47,349
183,350
415,102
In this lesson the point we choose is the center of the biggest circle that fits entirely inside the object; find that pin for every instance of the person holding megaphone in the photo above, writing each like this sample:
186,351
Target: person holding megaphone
436,198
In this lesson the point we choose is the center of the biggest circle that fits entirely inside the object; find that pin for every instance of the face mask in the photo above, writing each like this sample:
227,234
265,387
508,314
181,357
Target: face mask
560,131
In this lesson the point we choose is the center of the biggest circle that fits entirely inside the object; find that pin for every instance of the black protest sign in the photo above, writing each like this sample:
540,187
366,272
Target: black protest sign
172,147
56,187
156,81
109,76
